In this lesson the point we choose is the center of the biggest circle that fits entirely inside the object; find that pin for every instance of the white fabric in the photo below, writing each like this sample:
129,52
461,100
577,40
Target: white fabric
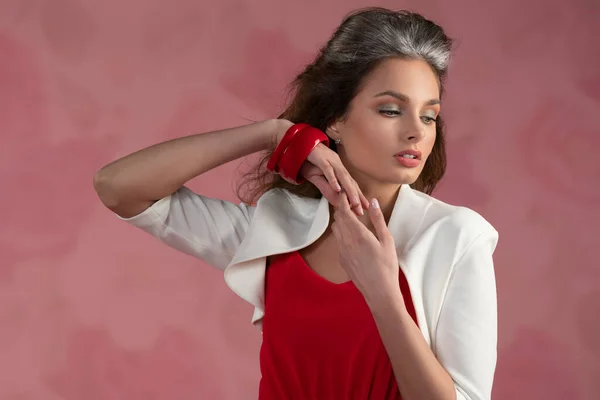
444,251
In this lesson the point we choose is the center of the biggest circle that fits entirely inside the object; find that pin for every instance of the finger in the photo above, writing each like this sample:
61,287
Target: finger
329,173
351,191
377,219
360,202
360,198
355,200
343,204
363,200
353,197
325,188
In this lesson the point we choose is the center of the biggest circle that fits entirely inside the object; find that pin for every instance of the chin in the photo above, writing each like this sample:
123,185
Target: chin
406,177
394,176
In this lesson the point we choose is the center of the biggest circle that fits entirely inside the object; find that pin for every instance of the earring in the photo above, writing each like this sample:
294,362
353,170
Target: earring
338,141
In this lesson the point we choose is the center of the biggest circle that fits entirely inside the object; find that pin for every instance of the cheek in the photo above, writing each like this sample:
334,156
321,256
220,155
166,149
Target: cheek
371,144
427,145
366,137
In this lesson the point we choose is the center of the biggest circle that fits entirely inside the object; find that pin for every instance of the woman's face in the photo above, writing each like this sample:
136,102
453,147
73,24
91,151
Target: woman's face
389,129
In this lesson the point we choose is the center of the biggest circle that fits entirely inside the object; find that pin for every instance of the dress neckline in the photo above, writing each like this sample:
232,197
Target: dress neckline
318,278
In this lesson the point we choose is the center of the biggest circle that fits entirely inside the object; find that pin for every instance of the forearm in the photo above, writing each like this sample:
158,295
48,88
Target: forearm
133,182
419,374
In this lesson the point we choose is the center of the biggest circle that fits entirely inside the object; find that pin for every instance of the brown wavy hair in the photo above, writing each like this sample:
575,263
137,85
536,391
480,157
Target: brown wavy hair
321,94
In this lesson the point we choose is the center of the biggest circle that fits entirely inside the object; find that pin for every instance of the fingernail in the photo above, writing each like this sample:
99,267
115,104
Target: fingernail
361,211
338,187
355,200
374,203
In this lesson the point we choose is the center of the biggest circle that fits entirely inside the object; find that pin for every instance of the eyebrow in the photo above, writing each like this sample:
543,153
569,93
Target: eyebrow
405,98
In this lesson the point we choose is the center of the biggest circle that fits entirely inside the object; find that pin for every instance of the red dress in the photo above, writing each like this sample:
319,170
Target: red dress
320,341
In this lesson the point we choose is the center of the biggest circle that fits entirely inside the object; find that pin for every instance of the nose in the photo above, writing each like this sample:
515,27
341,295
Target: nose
414,130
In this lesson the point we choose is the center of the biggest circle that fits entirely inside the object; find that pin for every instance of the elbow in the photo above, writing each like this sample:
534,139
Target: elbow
105,189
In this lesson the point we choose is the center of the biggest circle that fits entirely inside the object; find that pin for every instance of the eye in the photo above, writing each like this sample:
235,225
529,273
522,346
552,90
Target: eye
428,120
390,113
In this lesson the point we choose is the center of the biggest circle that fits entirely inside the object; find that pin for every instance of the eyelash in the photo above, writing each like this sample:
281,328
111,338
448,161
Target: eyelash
390,113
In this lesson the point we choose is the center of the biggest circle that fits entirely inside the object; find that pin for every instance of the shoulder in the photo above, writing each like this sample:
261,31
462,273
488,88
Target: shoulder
452,223
454,215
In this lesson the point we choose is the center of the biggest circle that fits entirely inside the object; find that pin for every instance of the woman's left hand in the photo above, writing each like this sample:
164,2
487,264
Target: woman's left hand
369,259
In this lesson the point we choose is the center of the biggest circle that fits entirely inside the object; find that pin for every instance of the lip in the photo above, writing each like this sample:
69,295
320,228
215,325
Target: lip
415,153
409,162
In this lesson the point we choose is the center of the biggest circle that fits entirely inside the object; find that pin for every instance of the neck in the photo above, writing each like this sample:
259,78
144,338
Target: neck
386,195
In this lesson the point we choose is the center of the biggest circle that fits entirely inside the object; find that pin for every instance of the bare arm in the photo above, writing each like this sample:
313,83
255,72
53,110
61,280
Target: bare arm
418,373
133,183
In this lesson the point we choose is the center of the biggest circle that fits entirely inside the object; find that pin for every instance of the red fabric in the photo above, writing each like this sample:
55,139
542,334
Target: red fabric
320,341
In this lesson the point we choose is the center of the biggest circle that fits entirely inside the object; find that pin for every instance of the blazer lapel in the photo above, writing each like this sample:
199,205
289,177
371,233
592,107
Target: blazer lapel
282,222
407,216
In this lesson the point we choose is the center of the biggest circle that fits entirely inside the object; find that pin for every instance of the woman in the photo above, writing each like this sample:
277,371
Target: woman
364,286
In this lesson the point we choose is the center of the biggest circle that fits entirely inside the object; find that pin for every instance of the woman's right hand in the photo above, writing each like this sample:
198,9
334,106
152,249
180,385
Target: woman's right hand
324,169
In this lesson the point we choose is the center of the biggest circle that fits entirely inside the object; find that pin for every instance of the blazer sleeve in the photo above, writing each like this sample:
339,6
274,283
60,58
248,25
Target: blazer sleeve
466,337
206,228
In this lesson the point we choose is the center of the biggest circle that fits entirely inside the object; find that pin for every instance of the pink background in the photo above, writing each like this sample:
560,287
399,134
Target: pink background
92,309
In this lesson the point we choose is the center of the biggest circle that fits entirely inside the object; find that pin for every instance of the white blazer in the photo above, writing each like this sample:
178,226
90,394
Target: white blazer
444,251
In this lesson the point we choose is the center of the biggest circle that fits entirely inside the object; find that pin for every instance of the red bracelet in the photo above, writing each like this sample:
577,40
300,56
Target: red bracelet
297,151
283,144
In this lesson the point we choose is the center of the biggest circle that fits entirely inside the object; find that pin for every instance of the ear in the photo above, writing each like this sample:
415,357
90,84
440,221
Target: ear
333,131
